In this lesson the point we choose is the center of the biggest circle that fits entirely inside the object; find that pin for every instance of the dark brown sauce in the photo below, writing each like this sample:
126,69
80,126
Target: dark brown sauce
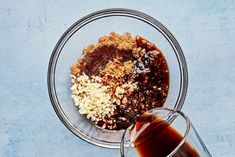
159,139
153,84
97,60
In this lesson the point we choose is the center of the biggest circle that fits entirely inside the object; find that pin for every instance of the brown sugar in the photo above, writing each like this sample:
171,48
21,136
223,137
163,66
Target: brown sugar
117,69
121,42
112,41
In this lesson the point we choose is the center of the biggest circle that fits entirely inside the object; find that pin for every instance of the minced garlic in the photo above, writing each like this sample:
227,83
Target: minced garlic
92,98
126,88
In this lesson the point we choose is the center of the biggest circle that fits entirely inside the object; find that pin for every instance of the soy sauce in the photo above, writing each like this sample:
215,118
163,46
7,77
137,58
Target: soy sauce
159,139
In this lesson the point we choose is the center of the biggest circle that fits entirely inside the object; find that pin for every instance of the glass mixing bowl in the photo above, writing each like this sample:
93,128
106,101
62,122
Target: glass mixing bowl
88,30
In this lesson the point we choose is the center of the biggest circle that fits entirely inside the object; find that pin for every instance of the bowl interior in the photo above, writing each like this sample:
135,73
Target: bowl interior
88,30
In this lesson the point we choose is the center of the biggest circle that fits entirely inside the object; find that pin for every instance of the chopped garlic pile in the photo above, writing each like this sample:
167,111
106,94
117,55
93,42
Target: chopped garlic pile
92,98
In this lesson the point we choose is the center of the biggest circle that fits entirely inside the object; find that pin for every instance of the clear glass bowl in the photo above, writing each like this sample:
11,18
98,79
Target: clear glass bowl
88,30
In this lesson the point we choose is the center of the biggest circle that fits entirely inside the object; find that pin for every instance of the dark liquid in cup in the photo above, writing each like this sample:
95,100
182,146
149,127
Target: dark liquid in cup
159,139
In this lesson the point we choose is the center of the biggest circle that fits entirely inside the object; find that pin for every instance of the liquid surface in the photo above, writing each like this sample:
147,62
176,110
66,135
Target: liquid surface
159,139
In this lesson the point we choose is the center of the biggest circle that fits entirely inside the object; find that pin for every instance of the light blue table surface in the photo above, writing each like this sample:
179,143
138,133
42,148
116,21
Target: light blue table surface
29,31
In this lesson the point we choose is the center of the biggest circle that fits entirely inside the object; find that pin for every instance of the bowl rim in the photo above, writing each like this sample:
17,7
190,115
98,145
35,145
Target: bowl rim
96,16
